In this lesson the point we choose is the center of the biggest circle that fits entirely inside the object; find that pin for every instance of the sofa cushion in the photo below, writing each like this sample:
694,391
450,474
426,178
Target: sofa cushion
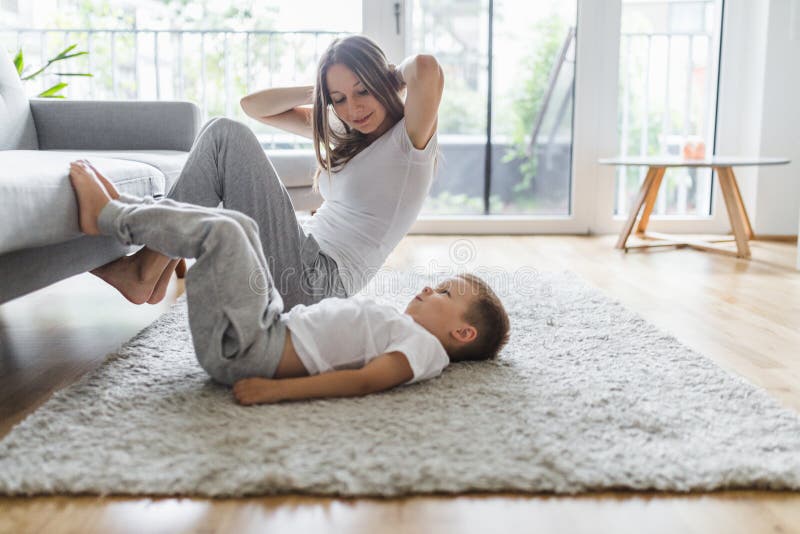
169,162
65,124
295,167
16,121
37,202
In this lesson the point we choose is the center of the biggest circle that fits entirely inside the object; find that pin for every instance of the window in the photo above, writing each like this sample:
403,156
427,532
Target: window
669,56
210,53
532,74
457,32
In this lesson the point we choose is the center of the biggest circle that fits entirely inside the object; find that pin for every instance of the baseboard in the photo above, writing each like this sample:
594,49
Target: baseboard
781,238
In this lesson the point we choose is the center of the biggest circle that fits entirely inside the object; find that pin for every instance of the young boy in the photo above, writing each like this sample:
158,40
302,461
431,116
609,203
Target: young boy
334,348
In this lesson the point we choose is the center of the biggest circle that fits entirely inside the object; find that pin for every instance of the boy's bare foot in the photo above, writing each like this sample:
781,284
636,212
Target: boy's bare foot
91,195
160,291
125,273
112,191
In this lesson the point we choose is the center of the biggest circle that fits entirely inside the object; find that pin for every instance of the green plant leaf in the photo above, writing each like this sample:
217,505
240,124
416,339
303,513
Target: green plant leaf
69,56
31,76
52,91
19,62
65,51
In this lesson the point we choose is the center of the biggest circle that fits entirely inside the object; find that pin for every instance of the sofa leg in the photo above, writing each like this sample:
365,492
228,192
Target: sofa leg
180,268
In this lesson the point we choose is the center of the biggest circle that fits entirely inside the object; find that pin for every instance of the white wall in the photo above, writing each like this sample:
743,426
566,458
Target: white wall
379,24
21,16
778,200
759,107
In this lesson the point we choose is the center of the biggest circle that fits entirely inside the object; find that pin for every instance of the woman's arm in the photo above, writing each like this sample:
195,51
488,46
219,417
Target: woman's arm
281,107
424,85
276,100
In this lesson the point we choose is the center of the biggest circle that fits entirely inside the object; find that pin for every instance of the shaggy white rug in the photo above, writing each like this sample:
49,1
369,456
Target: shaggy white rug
587,396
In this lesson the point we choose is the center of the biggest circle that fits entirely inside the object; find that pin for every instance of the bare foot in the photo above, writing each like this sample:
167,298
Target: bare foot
136,276
112,191
123,274
179,266
91,195
161,286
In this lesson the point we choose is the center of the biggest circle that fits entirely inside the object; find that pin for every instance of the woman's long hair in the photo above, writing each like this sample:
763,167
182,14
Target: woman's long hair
368,62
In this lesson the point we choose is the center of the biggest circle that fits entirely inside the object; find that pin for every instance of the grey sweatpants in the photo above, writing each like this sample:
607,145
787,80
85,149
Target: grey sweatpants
227,164
234,307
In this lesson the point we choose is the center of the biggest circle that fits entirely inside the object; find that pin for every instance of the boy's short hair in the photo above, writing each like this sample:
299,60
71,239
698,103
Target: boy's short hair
487,314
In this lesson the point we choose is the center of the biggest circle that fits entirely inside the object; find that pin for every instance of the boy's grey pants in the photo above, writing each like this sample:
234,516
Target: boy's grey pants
234,307
227,164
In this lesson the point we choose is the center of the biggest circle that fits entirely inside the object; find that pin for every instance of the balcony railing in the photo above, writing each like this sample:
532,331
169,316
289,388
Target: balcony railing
213,68
637,52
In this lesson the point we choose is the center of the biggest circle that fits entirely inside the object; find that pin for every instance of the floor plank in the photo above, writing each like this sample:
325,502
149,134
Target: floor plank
744,315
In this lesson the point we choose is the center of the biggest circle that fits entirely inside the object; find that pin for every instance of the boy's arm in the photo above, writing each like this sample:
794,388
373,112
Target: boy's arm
385,371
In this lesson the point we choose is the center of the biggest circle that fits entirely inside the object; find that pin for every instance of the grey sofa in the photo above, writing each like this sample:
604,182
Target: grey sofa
140,146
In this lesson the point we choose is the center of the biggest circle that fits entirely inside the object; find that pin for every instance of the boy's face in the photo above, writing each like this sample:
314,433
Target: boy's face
440,310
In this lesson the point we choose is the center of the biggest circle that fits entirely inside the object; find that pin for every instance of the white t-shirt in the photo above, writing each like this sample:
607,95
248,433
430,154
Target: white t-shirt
337,333
371,204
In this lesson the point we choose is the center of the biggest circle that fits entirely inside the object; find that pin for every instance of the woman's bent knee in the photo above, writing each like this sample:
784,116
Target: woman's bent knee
227,126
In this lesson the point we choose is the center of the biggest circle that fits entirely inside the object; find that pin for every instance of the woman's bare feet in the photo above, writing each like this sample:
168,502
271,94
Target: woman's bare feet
141,277
123,274
160,290
92,196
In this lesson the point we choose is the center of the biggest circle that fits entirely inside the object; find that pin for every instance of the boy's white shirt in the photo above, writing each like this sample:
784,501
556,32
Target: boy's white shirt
371,204
338,333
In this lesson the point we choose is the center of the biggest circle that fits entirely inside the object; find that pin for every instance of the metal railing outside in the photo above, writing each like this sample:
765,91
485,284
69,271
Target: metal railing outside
214,68
641,43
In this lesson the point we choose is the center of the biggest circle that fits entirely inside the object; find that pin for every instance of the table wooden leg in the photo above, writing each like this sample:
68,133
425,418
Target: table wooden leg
734,212
637,206
650,201
740,203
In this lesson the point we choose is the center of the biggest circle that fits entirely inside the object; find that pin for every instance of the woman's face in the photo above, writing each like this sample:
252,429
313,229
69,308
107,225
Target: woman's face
353,104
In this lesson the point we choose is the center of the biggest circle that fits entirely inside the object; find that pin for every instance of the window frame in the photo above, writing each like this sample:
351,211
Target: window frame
594,133
591,90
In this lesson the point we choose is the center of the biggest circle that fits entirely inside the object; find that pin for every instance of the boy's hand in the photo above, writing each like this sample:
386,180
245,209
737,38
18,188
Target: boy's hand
256,391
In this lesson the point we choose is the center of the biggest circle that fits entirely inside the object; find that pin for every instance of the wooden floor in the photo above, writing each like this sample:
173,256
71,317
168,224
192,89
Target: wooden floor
744,315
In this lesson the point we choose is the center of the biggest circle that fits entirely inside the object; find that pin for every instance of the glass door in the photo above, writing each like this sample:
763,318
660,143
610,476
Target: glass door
669,53
532,99
506,118
456,32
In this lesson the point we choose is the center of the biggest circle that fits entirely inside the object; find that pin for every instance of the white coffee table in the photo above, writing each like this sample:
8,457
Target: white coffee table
740,222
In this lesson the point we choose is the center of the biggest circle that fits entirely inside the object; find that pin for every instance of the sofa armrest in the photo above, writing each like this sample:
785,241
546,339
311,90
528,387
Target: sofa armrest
115,125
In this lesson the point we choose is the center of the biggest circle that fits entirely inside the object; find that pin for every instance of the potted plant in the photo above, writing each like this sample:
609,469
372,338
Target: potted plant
55,90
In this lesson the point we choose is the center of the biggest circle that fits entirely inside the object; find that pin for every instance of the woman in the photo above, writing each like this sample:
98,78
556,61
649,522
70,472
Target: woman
374,174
